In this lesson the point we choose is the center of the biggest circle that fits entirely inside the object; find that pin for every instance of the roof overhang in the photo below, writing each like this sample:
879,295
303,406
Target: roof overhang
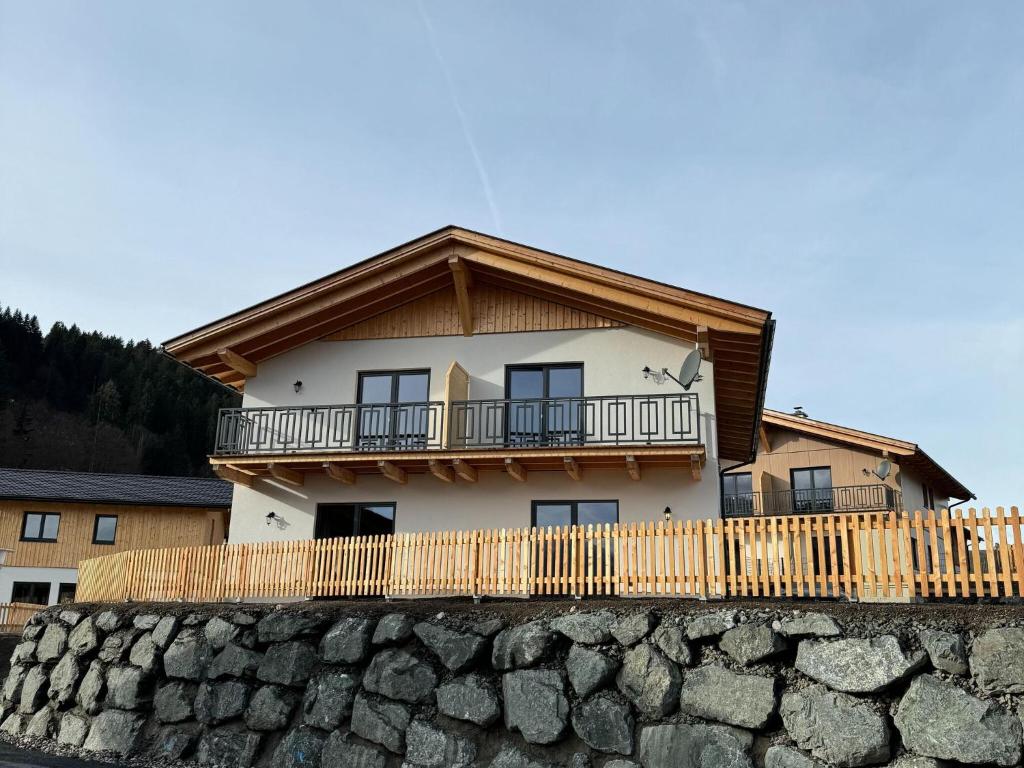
736,337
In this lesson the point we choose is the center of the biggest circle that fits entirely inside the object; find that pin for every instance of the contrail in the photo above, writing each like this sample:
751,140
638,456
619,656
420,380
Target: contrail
466,132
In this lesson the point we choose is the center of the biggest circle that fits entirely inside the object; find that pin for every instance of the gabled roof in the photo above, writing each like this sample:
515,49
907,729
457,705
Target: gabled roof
102,488
904,453
736,337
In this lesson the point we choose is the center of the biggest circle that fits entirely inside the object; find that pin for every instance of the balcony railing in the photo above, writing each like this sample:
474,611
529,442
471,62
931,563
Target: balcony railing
844,498
543,422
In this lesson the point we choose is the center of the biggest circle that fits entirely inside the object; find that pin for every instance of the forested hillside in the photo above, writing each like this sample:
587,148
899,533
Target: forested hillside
72,399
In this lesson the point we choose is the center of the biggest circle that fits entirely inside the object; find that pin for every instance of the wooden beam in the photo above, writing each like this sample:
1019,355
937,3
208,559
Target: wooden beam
242,468
766,444
340,473
572,468
695,467
392,472
440,471
463,282
515,470
236,362
233,476
633,467
704,342
285,474
465,471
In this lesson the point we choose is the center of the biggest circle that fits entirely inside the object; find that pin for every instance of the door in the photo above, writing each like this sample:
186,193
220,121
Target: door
546,405
393,410
362,519
564,514
812,489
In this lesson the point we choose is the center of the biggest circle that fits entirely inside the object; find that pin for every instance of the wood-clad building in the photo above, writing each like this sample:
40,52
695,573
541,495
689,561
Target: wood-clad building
49,521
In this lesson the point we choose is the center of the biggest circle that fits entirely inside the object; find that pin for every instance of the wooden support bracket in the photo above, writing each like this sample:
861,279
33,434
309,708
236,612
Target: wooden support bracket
340,473
464,471
766,444
572,468
632,467
236,362
695,467
440,471
515,470
286,475
392,472
704,342
463,282
233,476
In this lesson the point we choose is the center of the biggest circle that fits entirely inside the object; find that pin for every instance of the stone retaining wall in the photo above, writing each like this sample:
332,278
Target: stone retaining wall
352,685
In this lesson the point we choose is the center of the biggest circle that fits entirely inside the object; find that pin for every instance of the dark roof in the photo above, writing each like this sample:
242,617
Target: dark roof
100,488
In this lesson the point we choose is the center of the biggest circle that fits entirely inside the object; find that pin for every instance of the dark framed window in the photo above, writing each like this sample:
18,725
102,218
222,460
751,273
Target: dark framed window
40,526
35,592
362,519
563,513
812,489
393,409
104,529
66,592
738,494
549,407
928,496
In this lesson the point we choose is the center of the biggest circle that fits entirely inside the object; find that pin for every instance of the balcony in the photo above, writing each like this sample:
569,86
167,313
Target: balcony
840,499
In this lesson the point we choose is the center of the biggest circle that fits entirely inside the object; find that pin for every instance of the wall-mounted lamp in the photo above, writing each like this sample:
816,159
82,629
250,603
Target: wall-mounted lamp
668,514
272,516
297,384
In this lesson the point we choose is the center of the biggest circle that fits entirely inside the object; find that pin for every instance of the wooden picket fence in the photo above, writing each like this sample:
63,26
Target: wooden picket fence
877,556
14,616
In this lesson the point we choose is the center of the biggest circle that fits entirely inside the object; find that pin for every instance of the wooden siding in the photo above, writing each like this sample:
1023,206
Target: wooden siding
495,310
137,527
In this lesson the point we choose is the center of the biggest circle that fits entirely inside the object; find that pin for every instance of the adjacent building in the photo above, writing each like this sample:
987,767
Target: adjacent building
49,521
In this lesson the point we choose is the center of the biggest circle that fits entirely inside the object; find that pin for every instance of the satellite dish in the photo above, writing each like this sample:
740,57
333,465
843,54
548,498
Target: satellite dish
689,370
883,469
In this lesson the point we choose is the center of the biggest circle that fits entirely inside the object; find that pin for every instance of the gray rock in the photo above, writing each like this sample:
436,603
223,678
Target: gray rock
41,724
458,651
400,675
145,654
174,743
710,625
164,632
234,661
114,731
605,722
857,665
14,725
116,646
92,688
12,685
522,646
649,680
64,679
634,627
915,761
589,670
834,727
348,641
229,745
84,638
71,616
536,704
671,641
128,688
716,693
939,720
751,643
271,708
33,690
52,644
620,763
220,632
788,757
24,653
997,660
340,752
489,627
219,702
74,727
281,626
589,628
510,757
381,721
393,628
428,746
810,625
301,748
291,663
580,760
173,702
144,621
690,746
107,621
470,698
188,657
328,699
946,651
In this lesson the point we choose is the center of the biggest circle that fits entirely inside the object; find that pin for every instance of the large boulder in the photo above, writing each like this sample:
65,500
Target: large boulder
710,625
291,663
11,691
92,688
810,625
116,646
589,670
64,679
301,748
340,751
588,628
751,643
522,646
164,632
34,690
219,632
716,693
281,626
188,656
114,731
682,745
348,641
650,681
835,727
84,638
53,644
400,675
939,720
173,702
671,640
230,745
946,651
471,698
270,708
145,653
234,661
857,665
328,699
428,746
107,621
634,627
24,653
510,757
787,757
458,651
536,704
393,629
73,729
220,702
174,743
997,660
605,722
381,721
41,724
128,688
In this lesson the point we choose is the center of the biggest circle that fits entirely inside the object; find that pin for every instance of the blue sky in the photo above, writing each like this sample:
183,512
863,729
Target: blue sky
856,168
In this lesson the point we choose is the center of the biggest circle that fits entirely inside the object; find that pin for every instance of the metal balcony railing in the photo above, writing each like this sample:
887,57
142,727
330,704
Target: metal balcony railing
844,498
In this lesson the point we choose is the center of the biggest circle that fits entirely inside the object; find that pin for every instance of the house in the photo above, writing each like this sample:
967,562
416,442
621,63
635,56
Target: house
461,381
51,520
810,466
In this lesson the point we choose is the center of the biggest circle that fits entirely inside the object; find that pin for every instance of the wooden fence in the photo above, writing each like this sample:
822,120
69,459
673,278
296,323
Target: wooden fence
14,616
876,556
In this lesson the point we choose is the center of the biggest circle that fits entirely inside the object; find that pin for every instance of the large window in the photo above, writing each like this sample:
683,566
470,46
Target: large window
563,513
35,592
366,519
104,530
393,409
812,489
549,409
738,494
40,526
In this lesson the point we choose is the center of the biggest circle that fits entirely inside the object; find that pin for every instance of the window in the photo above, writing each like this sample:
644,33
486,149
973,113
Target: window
393,409
368,519
552,413
35,592
738,494
812,489
563,513
104,530
928,495
40,526
66,592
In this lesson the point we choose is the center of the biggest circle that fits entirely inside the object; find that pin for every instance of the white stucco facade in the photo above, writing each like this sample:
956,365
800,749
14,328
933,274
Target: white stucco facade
53,576
612,360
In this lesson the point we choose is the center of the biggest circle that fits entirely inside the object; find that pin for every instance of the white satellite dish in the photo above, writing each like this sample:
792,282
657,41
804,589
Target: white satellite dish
883,469
689,371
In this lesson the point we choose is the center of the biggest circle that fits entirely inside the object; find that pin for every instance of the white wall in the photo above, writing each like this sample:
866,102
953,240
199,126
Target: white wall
913,493
55,576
